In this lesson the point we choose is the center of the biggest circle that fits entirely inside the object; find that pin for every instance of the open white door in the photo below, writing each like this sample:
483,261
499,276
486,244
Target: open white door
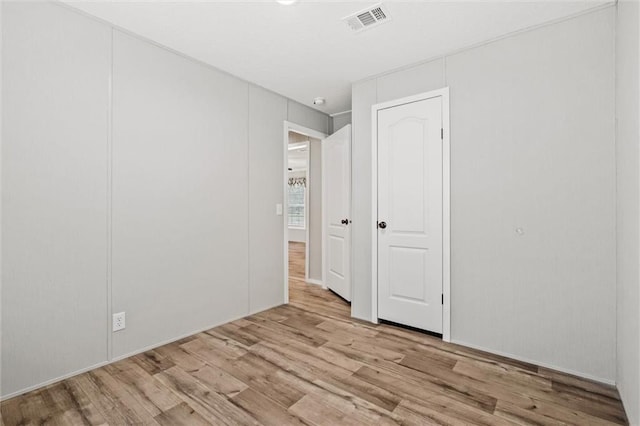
336,207
410,214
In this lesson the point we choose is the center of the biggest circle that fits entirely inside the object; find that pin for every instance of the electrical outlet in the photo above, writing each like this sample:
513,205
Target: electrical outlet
118,321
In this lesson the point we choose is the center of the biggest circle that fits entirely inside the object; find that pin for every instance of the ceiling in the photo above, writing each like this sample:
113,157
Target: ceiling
304,51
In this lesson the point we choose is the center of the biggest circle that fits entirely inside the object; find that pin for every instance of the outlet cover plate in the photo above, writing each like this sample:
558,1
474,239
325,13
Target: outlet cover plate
118,321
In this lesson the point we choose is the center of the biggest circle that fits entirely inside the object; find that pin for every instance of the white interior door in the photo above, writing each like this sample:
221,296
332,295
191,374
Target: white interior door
336,207
410,228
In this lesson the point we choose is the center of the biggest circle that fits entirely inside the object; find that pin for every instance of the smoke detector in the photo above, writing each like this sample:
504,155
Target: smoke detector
368,18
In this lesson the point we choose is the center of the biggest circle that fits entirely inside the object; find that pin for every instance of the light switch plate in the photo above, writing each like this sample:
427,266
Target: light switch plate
279,209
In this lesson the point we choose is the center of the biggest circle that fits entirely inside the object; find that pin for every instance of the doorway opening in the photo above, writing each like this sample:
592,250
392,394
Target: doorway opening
302,206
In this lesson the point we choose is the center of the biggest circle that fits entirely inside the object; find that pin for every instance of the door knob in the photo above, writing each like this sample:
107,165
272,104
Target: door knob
382,225
345,221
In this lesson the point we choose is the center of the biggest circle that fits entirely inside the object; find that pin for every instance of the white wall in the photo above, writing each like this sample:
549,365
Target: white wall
628,236
54,193
308,117
363,95
266,173
340,120
183,182
532,139
180,204
297,235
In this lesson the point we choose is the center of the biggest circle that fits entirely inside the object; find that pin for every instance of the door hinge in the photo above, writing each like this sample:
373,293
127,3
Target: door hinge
442,133
442,298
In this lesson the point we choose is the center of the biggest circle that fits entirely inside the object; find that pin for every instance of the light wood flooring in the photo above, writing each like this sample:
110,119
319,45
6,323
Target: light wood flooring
310,363
297,260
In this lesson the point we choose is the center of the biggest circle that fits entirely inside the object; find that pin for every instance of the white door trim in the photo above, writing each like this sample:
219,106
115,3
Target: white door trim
446,204
307,177
289,126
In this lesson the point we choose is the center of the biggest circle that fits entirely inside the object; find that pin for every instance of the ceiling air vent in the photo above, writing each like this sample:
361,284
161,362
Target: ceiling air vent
368,18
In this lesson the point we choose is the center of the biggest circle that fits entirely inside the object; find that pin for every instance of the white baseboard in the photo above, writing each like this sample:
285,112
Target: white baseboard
538,363
315,282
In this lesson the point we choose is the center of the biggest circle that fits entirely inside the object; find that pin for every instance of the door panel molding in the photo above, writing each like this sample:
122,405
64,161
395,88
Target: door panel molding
446,203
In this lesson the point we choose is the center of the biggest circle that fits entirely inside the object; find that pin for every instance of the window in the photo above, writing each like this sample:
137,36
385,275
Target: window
296,194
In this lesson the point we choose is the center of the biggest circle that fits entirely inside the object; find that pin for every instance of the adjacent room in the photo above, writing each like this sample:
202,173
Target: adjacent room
304,212
304,207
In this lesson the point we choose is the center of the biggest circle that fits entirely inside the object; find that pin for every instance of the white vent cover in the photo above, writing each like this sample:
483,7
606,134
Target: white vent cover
367,18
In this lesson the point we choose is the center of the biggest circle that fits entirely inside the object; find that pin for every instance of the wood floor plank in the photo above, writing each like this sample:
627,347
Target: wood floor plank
368,346
286,356
35,410
316,413
70,399
10,412
264,409
425,391
354,406
481,374
262,376
206,352
142,387
411,418
219,380
296,259
605,408
107,383
374,394
423,362
310,363
579,382
543,413
352,329
152,362
181,357
444,382
295,376
215,408
181,414
222,344
234,331
71,417
347,389
441,410
277,331
110,407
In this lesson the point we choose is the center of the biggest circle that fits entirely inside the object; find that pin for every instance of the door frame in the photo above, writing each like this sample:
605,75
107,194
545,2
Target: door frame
297,128
446,203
